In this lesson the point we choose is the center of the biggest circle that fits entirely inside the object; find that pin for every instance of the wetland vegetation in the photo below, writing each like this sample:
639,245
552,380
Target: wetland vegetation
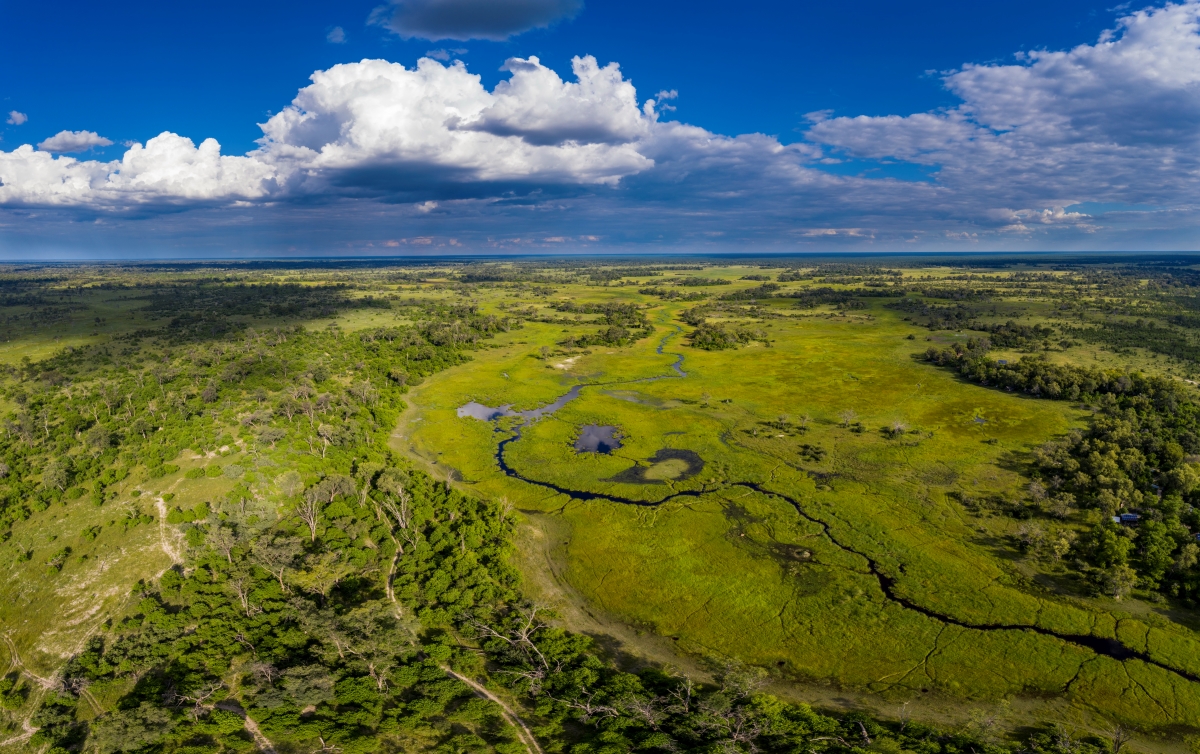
784,504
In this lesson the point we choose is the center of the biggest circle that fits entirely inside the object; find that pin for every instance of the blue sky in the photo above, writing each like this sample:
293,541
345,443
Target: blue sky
780,127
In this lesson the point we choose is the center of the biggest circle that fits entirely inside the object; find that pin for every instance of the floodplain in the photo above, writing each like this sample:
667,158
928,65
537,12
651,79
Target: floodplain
958,493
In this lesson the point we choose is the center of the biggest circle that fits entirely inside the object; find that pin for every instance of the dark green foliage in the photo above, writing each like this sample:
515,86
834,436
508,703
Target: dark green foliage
1013,335
843,298
1179,341
672,294
1132,459
626,323
712,336
766,290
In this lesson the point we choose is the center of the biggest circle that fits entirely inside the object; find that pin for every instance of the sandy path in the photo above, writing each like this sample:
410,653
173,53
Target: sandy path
29,731
45,683
512,717
164,534
262,742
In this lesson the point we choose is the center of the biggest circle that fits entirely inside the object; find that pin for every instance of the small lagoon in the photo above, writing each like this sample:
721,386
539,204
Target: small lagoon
597,438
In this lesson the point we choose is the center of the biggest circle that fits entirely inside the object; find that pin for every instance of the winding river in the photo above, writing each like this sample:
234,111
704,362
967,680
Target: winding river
887,584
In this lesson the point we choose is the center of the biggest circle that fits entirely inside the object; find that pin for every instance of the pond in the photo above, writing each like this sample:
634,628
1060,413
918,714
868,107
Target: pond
481,412
597,438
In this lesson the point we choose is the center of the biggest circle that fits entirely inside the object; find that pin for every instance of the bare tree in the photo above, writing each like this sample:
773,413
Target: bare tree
518,634
309,511
398,506
682,694
327,433
199,698
588,707
241,584
1120,738
264,672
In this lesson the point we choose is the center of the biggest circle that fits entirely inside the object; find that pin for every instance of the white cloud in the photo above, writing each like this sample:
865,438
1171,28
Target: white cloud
1115,121
600,107
660,101
336,35
73,141
374,128
168,169
471,19
15,118
381,127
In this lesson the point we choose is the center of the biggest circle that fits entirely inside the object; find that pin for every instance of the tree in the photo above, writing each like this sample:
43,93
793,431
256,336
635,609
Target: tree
328,434
223,540
98,438
55,474
309,511
397,504
241,582
290,483
1119,581
1155,548
130,729
304,686
365,473
277,555
324,573
333,486
374,639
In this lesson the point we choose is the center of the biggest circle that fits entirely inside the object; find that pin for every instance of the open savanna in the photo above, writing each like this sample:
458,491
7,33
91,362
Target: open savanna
813,542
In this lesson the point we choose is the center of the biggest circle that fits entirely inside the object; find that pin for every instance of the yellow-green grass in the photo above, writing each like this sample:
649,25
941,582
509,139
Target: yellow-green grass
719,572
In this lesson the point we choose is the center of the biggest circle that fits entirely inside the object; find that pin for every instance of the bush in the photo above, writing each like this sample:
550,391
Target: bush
212,472
160,470
715,337
196,473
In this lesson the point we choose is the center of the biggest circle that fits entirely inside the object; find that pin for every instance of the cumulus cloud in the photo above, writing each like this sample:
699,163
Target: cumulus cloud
600,107
471,19
371,128
380,127
542,156
1116,120
73,141
168,169
15,118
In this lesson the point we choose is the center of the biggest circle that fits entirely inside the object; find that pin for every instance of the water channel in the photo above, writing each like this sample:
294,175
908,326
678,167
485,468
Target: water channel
887,584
